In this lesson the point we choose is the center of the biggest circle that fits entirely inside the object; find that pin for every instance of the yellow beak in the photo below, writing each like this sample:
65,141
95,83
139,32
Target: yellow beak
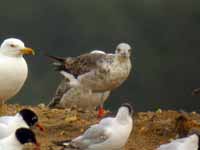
27,51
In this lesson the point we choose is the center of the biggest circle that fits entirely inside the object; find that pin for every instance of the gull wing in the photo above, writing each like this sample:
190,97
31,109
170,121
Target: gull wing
61,90
81,64
94,135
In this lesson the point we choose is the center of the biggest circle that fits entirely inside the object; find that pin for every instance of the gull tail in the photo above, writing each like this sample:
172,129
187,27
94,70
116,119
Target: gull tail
59,64
62,64
56,58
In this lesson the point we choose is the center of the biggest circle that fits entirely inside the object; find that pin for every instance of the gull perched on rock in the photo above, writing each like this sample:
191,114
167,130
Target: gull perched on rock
80,97
17,139
111,133
97,70
187,143
13,68
77,96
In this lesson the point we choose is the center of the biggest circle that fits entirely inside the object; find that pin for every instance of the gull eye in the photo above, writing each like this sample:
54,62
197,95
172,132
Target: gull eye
12,45
34,118
118,50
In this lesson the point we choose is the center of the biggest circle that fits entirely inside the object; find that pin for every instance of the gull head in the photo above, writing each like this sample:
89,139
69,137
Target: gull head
15,47
123,49
126,107
30,118
126,110
25,135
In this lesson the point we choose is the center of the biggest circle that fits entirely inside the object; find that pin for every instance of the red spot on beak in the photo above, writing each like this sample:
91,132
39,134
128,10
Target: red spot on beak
100,112
40,127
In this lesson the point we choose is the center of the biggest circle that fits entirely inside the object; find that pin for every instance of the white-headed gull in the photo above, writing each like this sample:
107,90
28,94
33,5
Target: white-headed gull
13,68
111,133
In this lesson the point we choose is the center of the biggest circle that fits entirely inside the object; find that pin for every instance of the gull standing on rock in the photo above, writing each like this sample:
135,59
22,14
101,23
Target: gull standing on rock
110,134
97,71
13,68
79,96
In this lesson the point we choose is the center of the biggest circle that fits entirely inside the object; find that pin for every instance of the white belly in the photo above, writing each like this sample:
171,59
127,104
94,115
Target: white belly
13,73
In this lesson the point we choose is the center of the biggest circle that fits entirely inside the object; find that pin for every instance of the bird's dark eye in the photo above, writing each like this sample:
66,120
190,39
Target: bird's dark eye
118,50
12,45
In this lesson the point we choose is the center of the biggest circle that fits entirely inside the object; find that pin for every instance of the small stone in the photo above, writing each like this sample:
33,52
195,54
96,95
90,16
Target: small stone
41,105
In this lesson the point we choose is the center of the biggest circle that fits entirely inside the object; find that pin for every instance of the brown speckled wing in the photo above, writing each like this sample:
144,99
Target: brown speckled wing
84,63
61,90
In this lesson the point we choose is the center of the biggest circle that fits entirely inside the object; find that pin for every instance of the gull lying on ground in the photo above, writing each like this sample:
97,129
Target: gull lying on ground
25,118
17,139
110,134
13,68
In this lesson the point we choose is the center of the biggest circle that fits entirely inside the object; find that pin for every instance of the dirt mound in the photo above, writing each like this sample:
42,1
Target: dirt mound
150,128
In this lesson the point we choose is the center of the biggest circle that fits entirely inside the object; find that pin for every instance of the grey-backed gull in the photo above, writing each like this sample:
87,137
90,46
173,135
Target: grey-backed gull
110,133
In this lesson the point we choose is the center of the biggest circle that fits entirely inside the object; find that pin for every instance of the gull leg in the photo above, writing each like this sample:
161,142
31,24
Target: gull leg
101,110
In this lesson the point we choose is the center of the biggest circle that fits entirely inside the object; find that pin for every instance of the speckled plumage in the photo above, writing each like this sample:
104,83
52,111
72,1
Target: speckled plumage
98,71
81,97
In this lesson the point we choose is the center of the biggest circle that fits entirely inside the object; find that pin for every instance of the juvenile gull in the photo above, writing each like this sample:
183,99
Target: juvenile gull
69,94
13,68
97,71
110,134
17,139
80,97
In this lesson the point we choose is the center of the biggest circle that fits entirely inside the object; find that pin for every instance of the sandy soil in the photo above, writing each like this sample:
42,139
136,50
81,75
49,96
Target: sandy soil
150,128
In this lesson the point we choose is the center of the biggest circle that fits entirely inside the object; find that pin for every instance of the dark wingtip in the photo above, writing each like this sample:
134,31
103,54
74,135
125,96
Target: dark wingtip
59,59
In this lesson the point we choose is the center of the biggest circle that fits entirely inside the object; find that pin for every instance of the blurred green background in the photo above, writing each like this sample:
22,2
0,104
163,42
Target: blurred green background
164,34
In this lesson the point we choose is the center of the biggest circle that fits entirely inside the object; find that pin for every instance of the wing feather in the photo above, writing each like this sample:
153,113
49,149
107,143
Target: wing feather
94,135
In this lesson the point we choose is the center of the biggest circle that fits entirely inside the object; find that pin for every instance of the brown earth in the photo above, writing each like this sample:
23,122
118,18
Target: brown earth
150,128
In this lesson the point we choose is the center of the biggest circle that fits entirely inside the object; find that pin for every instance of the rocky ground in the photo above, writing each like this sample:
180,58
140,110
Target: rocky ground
150,128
